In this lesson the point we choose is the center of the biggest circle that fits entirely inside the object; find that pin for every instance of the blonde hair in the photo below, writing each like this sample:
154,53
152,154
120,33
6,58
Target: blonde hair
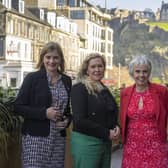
92,86
49,47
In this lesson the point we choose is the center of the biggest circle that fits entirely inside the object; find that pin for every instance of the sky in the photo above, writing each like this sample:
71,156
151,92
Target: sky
131,4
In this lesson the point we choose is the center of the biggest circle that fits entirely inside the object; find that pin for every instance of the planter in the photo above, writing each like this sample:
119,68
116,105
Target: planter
12,158
68,158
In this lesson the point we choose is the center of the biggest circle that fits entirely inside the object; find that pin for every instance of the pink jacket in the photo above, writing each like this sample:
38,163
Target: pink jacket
160,96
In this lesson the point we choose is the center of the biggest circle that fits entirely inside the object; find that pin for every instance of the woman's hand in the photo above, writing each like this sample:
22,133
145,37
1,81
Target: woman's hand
62,124
114,133
111,135
53,114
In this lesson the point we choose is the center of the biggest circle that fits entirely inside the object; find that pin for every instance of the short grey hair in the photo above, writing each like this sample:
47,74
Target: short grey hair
140,60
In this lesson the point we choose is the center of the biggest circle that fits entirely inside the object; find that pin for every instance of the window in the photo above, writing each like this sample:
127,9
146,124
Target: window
22,28
109,35
109,48
26,51
25,30
41,14
78,14
1,47
7,3
19,27
61,3
102,47
103,34
93,31
18,49
51,18
71,3
13,82
25,73
9,25
109,61
87,29
21,6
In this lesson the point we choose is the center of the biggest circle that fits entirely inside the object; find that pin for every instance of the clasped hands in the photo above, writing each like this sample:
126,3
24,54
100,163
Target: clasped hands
53,114
114,133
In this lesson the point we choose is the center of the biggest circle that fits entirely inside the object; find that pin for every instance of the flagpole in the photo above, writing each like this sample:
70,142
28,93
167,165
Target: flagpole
105,5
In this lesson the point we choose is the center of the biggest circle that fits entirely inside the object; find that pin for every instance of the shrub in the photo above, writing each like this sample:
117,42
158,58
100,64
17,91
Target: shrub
10,124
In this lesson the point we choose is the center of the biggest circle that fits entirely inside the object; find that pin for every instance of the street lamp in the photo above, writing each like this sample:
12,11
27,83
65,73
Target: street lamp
119,75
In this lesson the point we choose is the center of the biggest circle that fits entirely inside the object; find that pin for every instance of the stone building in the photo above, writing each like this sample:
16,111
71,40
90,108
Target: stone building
93,29
164,12
23,32
21,37
26,25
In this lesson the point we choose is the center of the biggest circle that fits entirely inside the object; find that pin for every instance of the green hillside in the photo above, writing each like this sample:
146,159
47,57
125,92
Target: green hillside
162,25
133,39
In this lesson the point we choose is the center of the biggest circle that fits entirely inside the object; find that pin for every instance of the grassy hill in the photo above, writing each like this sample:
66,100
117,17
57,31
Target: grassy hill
162,25
133,39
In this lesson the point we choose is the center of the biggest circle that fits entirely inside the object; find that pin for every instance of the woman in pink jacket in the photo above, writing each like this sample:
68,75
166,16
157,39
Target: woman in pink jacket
144,113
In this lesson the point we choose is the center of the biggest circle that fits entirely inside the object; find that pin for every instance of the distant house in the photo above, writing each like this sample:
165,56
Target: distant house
164,12
148,14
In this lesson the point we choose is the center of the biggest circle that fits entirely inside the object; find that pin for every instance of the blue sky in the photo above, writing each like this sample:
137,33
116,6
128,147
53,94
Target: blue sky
131,4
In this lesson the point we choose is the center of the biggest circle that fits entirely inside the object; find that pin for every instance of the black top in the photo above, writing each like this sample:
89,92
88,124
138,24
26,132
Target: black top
93,115
33,99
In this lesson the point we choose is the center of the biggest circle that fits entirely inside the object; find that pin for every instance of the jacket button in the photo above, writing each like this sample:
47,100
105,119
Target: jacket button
93,113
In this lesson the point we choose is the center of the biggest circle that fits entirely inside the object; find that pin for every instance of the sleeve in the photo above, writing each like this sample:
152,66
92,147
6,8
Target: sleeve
115,112
67,112
166,98
82,123
121,106
22,104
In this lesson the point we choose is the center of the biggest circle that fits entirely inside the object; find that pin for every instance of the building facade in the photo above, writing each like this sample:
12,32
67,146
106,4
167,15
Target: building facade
20,44
93,29
27,25
22,35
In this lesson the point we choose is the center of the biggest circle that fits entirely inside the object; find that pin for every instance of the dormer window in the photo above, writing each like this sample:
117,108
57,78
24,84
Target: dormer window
7,3
21,6
51,18
41,14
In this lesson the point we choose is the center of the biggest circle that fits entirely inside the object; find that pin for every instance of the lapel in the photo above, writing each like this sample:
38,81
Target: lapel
156,97
43,84
154,93
126,97
42,79
66,83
